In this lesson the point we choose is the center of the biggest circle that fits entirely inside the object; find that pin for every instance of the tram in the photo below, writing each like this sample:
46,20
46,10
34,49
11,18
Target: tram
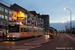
18,31
52,32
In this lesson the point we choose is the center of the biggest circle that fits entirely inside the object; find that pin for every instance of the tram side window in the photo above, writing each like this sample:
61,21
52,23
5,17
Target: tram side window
21,29
30,29
26,29
35,31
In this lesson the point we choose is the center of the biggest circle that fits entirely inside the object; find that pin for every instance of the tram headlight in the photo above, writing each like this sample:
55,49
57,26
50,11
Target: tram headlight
13,36
7,39
7,36
13,39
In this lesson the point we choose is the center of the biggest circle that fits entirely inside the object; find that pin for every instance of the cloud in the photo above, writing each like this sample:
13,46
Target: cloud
52,7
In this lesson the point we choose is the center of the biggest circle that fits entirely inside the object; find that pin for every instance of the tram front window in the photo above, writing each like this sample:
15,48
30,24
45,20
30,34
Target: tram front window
13,28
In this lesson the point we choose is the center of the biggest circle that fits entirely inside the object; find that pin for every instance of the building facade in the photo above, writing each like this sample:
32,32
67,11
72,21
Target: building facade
21,13
45,18
30,18
17,13
5,17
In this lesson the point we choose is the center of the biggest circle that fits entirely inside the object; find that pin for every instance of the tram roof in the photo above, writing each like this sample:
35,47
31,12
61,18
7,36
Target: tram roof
18,23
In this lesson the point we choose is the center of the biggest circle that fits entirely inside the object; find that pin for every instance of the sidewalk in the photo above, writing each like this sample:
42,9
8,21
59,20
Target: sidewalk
2,39
70,36
43,40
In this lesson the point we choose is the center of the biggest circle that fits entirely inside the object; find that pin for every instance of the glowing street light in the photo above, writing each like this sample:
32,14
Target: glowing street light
63,22
67,20
70,19
64,8
67,24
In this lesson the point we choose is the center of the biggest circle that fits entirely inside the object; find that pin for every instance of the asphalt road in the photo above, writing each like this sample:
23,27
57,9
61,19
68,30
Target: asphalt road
62,42
10,45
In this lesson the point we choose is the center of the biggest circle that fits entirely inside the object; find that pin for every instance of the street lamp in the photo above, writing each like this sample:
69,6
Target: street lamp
64,24
67,23
70,19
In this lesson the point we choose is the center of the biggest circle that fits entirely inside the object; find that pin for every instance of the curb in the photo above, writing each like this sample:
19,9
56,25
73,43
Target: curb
3,40
48,41
71,37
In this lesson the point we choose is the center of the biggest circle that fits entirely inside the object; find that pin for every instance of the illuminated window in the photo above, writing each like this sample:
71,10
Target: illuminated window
2,16
6,17
15,15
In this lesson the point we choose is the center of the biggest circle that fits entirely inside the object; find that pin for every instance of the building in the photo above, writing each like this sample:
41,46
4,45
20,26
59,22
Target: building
21,13
14,15
30,18
5,17
34,18
45,20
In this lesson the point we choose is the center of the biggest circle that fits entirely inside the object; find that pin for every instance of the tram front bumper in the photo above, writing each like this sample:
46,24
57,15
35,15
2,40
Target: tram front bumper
12,38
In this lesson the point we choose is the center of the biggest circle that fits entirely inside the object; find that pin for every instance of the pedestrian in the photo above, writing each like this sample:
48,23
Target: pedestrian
3,35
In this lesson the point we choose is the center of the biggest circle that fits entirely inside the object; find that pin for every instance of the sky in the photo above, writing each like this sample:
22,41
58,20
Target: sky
53,8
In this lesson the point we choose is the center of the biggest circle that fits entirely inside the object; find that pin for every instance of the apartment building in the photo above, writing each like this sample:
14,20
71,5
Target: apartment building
45,20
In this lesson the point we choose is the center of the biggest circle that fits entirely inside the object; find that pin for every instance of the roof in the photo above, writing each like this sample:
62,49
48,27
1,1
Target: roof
5,6
33,12
18,8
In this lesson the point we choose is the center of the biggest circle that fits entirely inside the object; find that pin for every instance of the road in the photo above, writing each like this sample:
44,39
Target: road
62,42
10,45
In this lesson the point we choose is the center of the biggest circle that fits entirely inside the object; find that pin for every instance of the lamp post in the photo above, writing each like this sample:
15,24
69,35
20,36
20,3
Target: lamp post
70,19
67,24
64,24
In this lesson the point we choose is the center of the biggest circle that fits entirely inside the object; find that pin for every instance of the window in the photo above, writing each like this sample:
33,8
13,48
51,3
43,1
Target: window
21,29
12,14
9,12
6,17
26,29
15,15
35,31
30,29
6,11
2,16
6,24
13,28
1,9
1,23
10,18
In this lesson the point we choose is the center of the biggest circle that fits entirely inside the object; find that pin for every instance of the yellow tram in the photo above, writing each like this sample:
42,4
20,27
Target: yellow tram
17,31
